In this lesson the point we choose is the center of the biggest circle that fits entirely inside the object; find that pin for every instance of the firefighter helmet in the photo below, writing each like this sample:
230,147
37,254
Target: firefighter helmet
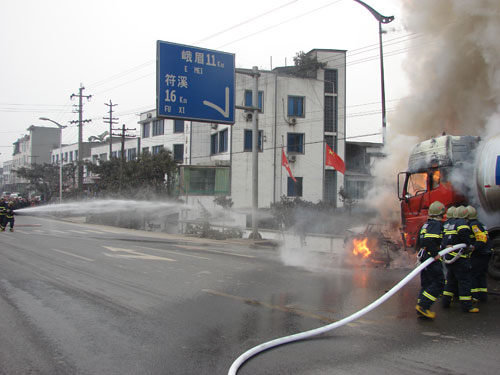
472,212
462,212
451,212
436,209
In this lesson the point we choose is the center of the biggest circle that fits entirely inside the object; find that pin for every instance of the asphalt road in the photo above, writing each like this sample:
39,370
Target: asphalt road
87,299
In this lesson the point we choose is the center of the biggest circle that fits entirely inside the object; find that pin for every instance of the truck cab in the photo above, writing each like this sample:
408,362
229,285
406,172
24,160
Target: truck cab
428,178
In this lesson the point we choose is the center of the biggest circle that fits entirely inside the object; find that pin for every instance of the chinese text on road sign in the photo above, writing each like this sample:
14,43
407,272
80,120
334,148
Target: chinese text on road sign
194,83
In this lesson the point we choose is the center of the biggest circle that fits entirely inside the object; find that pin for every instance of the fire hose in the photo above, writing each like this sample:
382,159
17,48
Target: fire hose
317,331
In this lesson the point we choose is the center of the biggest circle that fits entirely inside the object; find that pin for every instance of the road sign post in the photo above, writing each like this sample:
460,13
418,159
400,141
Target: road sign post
195,84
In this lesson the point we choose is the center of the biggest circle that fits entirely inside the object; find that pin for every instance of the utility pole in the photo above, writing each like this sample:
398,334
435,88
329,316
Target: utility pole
122,158
255,147
80,134
110,120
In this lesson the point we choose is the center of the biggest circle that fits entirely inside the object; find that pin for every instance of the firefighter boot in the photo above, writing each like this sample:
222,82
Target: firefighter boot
12,229
425,312
474,310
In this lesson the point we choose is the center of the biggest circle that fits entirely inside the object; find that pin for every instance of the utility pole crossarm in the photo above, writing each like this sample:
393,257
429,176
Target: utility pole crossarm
81,121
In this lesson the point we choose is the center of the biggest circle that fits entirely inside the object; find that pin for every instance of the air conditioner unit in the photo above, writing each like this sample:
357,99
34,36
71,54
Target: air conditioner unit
214,126
248,116
149,115
292,122
292,159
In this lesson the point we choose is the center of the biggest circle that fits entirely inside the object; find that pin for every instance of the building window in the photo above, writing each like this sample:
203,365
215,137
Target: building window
330,186
179,152
296,106
145,130
214,143
248,99
206,181
71,156
294,189
295,142
331,113
131,154
178,126
95,158
145,150
158,127
223,140
331,81
103,157
330,141
157,149
76,155
247,146
356,189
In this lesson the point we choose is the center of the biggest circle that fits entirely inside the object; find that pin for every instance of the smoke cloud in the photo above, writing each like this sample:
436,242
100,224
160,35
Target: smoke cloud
454,74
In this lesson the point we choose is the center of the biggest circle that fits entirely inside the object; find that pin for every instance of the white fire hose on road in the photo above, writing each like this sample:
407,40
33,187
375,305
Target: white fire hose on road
318,331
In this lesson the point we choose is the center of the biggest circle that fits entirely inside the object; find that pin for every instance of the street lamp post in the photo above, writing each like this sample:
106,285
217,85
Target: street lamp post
381,19
61,127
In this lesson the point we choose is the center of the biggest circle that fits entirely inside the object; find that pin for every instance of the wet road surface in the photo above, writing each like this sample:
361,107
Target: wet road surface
85,299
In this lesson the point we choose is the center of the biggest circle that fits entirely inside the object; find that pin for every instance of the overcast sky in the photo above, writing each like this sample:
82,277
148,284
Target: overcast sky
48,48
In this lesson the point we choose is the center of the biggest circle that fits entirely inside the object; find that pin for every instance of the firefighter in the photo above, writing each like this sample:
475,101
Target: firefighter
450,219
432,277
3,207
458,266
480,257
9,217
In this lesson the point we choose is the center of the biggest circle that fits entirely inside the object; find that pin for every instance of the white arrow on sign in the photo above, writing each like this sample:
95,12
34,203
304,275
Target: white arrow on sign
223,112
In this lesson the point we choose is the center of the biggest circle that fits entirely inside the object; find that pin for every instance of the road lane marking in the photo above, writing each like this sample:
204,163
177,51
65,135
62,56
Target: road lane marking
272,307
76,231
213,251
131,254
176,252
73,255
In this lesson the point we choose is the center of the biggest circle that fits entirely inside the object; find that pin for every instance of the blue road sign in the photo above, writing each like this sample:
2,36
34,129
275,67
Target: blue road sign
194,83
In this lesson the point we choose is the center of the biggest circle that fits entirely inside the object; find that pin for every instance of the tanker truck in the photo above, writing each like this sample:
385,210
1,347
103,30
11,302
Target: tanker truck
455,170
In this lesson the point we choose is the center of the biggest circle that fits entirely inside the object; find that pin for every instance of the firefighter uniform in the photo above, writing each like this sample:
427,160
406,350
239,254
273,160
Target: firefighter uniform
9,217
431,277
458,273
480,257
3,207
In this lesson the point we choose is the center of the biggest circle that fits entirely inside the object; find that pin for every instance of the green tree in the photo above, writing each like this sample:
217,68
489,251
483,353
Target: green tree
43,179
149,175
306,65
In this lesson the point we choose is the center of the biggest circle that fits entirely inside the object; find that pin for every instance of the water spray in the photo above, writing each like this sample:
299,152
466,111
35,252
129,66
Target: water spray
317,331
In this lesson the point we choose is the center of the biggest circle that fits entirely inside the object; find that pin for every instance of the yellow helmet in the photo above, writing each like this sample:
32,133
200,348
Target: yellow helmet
451,212
462,212
436,209
472,212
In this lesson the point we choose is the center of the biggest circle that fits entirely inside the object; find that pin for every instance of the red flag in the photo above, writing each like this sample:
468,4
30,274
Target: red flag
334,160
284,163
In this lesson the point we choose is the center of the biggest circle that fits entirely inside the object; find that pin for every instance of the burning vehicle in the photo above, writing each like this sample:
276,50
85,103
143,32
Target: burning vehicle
372,243
429,177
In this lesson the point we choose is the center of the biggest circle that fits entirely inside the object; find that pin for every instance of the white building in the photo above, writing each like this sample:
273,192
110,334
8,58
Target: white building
33,148
301,111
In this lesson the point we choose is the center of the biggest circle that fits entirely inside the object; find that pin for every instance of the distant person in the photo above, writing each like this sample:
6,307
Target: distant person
9,217
431,277
458,265
480,257
3,207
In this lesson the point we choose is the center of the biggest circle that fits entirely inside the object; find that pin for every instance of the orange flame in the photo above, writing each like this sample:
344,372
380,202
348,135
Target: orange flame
360,248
